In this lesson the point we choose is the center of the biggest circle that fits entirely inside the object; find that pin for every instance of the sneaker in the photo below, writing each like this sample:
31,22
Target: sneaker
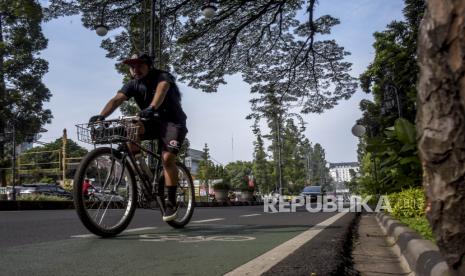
170,212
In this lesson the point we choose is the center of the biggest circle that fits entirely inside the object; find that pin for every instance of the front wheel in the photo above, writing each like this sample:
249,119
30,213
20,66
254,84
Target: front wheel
107,201
185,197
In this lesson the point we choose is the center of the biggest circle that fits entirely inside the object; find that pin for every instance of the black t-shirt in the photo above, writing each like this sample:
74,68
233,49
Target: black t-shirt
143,91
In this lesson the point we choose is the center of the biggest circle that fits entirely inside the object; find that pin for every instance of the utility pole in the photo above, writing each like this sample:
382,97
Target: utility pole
14,160
63,159
278,130
152,29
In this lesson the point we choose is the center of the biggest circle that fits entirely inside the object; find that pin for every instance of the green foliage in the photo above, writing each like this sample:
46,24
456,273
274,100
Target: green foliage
408,207
41,198
72,148
420,225
22,92
261,168
409,203
266,41
392,76
400,166
68,185
238,174
47,180
48,156
222,186
184,150
206,167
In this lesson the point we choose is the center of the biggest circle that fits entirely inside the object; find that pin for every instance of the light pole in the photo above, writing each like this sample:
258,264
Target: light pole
359,131
13,141
14,159
391,98
101,29
278,141
208,11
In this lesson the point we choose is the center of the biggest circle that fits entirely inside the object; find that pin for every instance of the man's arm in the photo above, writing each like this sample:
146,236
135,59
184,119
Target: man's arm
160,94
113,104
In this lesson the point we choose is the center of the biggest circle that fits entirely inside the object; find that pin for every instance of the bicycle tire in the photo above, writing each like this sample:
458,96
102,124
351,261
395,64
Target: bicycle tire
80,204
180,223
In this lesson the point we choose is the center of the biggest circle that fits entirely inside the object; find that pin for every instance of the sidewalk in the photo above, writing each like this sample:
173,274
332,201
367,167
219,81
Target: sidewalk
372,253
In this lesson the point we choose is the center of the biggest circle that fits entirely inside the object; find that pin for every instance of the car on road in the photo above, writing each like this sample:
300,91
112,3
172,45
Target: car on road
44,189
312,192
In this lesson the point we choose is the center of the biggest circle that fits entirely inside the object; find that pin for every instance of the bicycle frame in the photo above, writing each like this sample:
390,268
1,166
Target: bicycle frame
155,189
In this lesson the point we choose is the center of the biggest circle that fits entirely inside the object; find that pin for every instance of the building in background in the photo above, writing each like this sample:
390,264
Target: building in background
192,160
340,172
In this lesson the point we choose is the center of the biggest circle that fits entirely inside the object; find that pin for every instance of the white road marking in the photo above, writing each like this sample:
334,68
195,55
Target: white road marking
207,220
139,229
192,239
266,261
251,215
126,231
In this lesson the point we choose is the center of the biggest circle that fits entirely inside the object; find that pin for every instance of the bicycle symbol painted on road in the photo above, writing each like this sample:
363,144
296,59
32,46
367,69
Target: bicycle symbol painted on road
188,239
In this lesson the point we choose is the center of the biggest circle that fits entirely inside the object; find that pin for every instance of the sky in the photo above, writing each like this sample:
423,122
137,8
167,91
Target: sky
82,80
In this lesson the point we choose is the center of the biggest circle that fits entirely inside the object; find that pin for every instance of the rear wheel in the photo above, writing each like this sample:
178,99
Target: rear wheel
107,206
185,198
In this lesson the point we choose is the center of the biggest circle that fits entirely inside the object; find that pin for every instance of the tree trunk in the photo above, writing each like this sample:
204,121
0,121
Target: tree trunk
441,124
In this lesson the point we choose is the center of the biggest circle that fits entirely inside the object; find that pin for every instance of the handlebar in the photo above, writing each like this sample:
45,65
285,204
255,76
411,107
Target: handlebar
132,119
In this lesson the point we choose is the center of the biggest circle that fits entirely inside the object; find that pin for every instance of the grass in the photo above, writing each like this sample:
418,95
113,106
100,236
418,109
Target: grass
420,225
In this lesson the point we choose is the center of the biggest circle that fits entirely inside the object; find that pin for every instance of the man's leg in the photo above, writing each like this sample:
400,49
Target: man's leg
172,137
170,171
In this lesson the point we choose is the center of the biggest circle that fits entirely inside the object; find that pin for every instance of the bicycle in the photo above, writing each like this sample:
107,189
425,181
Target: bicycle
120,182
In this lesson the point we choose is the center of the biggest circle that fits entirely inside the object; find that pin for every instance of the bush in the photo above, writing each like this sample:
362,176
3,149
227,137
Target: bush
420,225
222,186
408,207
41,198
47,179
247,189
408,203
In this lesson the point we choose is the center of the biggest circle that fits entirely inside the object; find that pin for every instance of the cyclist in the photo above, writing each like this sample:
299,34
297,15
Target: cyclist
157,95
85,188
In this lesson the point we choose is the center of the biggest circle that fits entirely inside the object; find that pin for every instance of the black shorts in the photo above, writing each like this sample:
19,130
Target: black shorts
169,134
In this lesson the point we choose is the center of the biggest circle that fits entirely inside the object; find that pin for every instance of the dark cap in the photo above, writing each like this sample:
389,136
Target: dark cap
139,59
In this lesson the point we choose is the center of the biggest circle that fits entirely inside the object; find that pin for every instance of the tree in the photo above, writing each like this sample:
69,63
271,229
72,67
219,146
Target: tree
238,174
320,173
206,167
48,157
393,70
22,92
440,125
184,150
261,167
263,40
395,64
294,159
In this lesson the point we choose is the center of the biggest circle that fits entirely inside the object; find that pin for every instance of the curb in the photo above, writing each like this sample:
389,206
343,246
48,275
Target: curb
422,256
35,205
6,205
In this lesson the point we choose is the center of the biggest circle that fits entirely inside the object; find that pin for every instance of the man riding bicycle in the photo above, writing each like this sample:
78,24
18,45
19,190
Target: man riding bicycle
157,95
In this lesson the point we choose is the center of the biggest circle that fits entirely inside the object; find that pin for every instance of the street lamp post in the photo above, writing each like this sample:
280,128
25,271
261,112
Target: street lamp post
359,131
278,134
208,11
391,99
14,159
13,167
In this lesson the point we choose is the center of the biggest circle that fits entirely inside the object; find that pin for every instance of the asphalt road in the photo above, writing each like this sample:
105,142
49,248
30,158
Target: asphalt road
217,241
